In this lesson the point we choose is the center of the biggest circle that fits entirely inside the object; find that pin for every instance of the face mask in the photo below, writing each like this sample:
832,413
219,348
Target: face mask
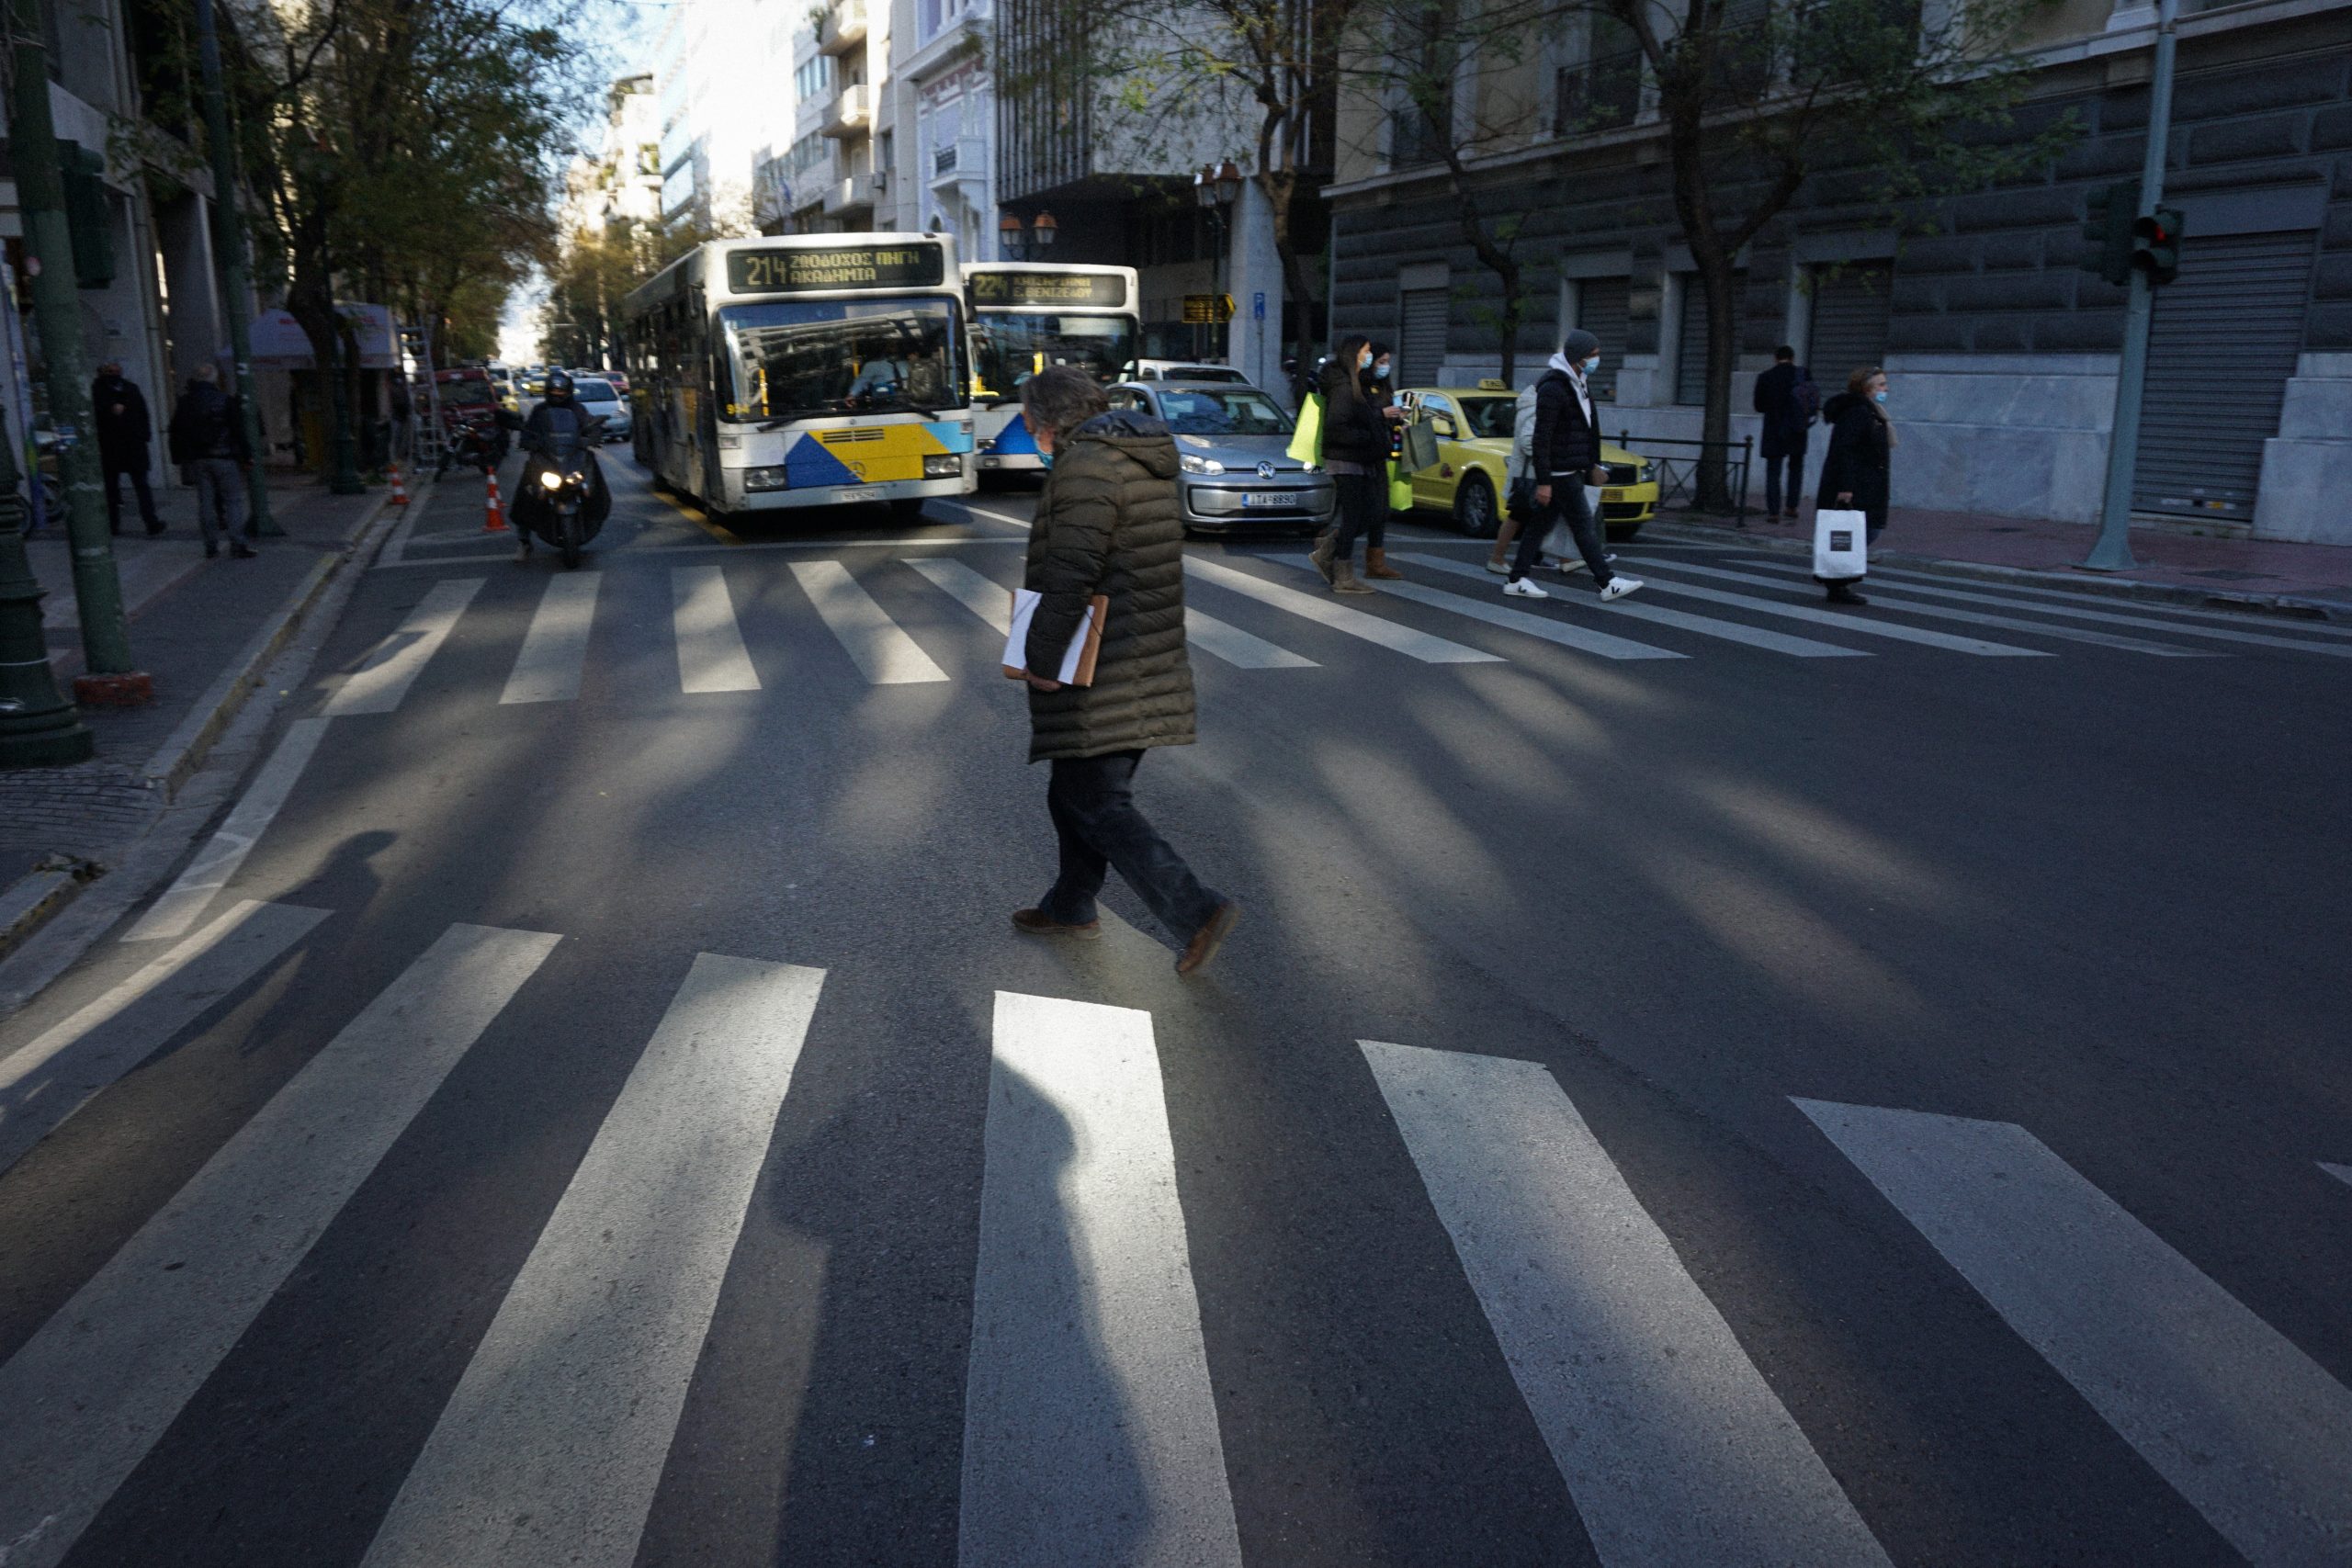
1381,373
1364,361
1045,458
1878,396
1592,365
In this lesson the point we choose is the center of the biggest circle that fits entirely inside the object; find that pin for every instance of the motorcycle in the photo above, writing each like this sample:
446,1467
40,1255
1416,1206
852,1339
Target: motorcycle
479,444
562,500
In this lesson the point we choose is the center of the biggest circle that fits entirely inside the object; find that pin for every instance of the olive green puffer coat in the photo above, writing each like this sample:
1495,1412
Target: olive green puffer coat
1107,524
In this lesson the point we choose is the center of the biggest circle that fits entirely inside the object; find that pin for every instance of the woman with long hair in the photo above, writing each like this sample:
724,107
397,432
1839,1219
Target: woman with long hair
1355,454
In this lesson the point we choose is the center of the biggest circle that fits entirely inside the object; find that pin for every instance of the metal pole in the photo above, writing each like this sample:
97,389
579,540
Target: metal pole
229,249
2112,551
40,194
38,726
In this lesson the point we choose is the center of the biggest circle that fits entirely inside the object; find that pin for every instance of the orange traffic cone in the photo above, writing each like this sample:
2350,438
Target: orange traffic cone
400,489
494,522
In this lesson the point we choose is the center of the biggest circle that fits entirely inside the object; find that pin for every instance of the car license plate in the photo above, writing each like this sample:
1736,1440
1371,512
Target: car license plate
1266,498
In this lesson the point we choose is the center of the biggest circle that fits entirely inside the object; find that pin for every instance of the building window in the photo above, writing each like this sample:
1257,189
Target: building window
813,79
1602,90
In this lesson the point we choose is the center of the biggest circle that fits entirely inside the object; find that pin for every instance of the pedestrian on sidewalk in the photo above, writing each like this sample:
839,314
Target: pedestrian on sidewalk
208,437
1107,524
118,409
1565,457
1355,454
1785,396
1379,391
1856,470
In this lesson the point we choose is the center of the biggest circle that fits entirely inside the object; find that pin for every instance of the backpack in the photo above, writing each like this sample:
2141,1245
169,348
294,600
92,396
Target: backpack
1808,398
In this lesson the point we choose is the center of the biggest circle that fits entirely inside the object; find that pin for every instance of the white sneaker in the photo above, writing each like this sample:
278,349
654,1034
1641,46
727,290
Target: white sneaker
1498,568
1619,587
1575,564
1525,588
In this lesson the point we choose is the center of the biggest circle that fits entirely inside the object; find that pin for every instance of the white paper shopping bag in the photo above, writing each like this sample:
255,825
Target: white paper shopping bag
1840,545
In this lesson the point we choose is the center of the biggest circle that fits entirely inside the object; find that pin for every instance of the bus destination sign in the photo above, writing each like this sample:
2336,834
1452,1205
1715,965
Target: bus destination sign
835,266
1015,288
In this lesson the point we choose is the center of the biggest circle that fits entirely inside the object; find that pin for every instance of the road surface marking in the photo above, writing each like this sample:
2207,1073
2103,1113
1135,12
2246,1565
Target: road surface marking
1567,634
2147,607
1674,1448
223,853
2143,622
1005,517
555,649
711,657
2341,1172
985,598
2246,1426
1090,1429
879,645
1844,620
553,1442
1879,595
91,1392
60,1070
384,678
1705,626
1318,607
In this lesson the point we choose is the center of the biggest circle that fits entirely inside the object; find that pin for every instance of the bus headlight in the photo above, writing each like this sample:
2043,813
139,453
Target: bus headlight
766,478
942,466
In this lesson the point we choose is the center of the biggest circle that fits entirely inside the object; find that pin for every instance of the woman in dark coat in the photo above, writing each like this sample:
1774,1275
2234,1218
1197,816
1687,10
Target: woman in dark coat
1380,391
1355,454
1854,472
1107,524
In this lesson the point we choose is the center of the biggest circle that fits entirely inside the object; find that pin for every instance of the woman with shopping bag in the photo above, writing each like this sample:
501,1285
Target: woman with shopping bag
1850,503
1355,454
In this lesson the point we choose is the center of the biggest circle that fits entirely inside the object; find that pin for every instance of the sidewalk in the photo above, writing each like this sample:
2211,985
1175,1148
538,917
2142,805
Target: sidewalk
2250,574
196,625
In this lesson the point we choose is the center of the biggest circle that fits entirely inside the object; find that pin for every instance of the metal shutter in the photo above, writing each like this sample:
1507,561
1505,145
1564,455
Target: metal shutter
1421,340
1600,311
2220,350
1850,315
1691,353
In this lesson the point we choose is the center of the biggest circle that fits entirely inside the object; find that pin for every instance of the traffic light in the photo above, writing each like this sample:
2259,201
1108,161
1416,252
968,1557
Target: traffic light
2156,244
2107,230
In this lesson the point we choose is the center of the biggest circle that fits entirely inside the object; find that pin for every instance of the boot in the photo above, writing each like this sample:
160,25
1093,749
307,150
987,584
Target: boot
1326,548
1843,593
1344,579
1375,563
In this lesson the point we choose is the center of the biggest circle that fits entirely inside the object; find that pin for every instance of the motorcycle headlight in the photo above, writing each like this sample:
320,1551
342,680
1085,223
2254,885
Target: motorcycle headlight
942,466
550,479
1193,465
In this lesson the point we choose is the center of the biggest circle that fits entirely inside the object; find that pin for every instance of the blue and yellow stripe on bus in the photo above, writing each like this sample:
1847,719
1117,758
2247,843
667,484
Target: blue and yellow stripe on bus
869,453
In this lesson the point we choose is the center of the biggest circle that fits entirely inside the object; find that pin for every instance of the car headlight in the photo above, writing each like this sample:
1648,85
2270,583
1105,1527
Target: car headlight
942,466
1192,465
765,479
550,479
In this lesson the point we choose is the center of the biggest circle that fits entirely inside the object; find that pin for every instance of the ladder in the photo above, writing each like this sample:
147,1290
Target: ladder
431,442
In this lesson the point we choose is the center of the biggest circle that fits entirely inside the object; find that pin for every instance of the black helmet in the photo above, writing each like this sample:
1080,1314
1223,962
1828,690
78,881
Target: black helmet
559,383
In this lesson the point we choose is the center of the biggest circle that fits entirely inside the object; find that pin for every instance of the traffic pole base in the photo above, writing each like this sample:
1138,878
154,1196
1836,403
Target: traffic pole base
133,689
62,747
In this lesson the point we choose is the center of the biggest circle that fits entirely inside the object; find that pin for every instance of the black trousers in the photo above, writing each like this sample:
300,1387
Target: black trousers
1792,463
1567,501
138,488
1364,509
1093,806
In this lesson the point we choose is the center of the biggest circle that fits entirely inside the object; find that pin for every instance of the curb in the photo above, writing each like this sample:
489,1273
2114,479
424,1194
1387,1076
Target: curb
29,900
2291,605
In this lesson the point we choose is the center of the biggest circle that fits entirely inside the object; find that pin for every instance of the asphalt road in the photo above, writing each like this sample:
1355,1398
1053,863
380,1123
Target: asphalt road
1717,1087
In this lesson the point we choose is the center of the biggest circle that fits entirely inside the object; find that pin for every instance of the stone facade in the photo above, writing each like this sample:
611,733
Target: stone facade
2003,352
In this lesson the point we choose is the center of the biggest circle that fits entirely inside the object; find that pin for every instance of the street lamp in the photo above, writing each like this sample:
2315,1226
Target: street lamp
1217,186
1029,242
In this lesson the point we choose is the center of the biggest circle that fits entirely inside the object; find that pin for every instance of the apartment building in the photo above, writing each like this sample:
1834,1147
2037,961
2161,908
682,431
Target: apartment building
843,151
2004,354
941,112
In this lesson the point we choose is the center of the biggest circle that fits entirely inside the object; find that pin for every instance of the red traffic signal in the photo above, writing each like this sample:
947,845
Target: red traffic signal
2156,243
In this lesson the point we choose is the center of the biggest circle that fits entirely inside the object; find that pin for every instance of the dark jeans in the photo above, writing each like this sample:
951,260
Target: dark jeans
1093,805
1364,509
1791,462
138,488
1567,501
219,498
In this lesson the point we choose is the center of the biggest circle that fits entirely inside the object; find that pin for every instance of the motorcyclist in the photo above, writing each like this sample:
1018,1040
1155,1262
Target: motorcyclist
558,414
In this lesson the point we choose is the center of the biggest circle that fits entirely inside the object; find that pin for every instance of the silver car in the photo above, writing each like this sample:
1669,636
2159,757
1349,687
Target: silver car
1231,443
598,396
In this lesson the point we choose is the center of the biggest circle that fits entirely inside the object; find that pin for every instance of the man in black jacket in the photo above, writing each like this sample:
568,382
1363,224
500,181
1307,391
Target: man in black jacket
1107,524
1781,399
1564,459
207,437
119,411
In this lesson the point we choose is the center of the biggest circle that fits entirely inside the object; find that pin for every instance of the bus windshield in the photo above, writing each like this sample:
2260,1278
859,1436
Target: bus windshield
1008,347
801,358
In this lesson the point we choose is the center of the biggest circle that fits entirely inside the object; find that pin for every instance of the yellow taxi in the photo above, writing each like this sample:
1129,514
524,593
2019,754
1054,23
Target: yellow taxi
1474,432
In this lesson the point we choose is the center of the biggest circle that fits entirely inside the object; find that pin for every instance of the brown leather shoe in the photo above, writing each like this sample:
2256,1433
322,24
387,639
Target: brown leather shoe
1376,564
1209,938
1037,924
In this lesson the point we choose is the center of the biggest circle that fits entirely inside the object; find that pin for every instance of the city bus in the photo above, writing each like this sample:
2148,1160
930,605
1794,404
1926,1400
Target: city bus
803,370
1027,315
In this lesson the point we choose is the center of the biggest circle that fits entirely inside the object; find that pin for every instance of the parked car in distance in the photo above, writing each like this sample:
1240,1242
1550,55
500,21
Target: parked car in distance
1474,426
1179,370
1231,447
597,396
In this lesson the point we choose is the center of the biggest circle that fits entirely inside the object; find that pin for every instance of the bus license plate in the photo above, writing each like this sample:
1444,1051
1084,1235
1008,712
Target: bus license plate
1266,498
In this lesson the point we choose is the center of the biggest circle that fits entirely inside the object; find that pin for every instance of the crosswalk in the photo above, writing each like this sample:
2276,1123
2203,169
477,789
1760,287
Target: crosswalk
1448,613
1090,1420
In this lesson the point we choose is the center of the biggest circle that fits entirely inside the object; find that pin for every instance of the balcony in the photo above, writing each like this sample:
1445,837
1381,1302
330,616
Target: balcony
854,194
841,27
1597,94
851,111
964,159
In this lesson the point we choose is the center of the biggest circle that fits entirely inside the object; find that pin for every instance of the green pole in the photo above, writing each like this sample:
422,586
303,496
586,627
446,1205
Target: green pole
40,196
2112,550
229,251
344,480
39,727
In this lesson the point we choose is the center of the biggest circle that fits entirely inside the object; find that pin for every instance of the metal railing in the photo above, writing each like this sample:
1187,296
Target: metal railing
1600,94
1687,477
